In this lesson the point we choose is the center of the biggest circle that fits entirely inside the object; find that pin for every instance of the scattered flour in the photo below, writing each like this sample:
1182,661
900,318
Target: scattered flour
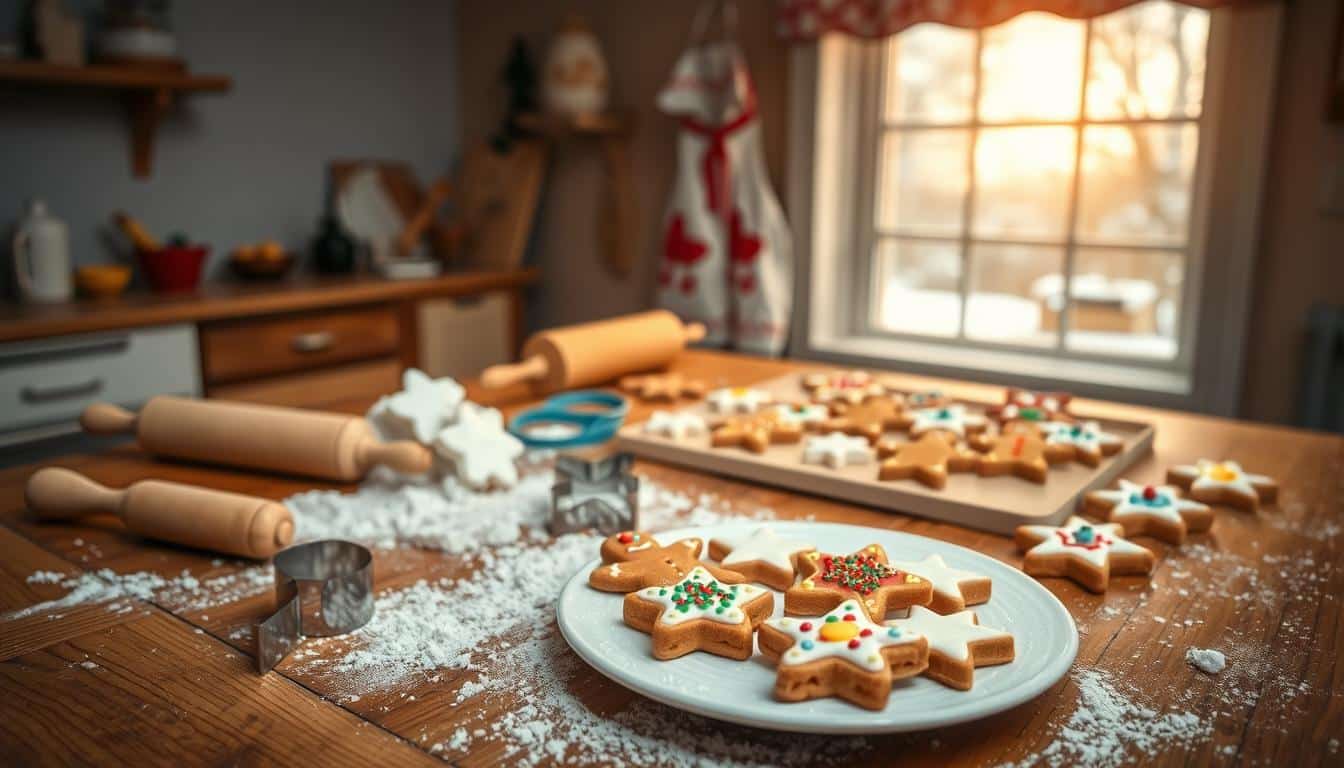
1206,660
182,592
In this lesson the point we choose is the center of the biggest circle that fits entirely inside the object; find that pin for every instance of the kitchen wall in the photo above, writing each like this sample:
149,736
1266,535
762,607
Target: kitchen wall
1301,260
641,41
313,81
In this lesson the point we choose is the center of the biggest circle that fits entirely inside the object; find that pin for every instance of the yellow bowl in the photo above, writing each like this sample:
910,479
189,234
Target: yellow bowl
102,280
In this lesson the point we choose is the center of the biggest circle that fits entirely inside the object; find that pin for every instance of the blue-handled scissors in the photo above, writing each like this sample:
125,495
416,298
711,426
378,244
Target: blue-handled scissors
571,419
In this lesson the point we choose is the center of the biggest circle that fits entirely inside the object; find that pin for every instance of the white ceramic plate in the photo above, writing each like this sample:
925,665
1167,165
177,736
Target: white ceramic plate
1044,634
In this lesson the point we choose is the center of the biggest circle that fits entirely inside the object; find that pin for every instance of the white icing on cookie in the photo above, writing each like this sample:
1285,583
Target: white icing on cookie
952,418
737,400
701,596
419,410
945,579
1159,502
1087,435
851,387
950,635
802,414
1091,542
837,450
845,632
762,544
675,424
1222,475
481,451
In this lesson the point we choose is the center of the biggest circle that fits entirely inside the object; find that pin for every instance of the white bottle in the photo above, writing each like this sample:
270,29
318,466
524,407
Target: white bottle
42,256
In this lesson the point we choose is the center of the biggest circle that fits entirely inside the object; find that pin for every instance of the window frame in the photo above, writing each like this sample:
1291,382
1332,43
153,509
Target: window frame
835,102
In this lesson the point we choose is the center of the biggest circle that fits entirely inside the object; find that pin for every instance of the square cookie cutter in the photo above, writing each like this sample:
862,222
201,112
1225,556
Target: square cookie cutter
602,495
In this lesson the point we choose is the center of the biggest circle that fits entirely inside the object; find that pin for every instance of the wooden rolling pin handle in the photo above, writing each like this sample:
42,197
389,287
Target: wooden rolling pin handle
407,457
695,332
57,494
529,369
107,419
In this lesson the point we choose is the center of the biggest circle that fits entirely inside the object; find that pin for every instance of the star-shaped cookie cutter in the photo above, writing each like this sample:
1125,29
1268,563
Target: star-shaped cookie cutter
602,495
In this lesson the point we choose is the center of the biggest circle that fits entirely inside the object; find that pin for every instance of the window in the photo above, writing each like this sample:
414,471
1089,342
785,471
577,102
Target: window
1031,198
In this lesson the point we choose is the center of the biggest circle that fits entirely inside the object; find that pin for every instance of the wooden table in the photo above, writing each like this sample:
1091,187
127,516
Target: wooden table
171,687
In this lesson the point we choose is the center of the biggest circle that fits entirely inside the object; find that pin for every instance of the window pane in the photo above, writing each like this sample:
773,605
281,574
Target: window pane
1136,183
1148,61
1022,181
918,286
922,184
1003,305
1124,302
930,75
1031,68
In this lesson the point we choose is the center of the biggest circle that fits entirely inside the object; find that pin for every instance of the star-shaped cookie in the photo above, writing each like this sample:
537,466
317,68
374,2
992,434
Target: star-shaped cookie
1025,405
665,387
953,588
848,387
1018,452
737,400
755,432
808,416
843,654
760,555
957,645
1087,553
1224,482
948,418
1151,510
1084,442
836,450
927,460
868,419
699,613
635,560
864,576
675,424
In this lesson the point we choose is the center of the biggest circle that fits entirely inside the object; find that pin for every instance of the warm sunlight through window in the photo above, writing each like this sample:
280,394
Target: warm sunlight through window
1035,179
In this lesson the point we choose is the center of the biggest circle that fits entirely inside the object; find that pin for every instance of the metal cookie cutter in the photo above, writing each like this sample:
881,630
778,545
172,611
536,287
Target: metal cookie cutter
594,494
322,588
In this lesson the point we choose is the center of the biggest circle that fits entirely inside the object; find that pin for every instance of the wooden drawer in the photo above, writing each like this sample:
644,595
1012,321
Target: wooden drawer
255,348
354,385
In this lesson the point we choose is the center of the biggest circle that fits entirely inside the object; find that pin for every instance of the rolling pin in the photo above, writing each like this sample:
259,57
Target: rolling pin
331,446
182,514
591,353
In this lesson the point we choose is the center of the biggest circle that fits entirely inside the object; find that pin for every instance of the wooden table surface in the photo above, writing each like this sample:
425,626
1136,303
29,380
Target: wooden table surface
158,683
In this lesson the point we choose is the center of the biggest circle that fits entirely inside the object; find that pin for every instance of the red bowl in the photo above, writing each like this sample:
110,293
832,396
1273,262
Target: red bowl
175,269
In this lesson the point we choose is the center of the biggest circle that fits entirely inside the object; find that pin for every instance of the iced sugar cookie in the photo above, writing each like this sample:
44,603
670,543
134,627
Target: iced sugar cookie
699,613
1087,553
806,416
737,400
953,588
1224,482
760,555
836,449
957,645
1025,405
1151,510
865,576
847,387
635,560
675,424
1084,442
841,654
948,418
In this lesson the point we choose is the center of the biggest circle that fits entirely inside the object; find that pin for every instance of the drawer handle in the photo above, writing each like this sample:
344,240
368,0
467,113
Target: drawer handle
317,341
37,395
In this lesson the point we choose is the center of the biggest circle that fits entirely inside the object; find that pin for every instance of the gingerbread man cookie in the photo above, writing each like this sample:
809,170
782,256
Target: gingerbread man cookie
737,400
850,387
755,433
957,645
948,418
1025,405
699,614
1224,482
865,576
1151,510
634,560
868,419
927,460
1083,442
666,387
760,555
843,654
836,450
1089,554
953,588
1018,452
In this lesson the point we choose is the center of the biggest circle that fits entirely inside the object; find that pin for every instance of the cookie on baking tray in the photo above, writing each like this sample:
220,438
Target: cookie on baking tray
1224,482
634,560
927,459
699,613
1150,510
760,555
842,654
665,387
755,433
675,424
836,450
868,419
947,418
1025,405
807,416
847,387
827,580
737,400
1083,442
953,588
1085,552
958,643
1019,451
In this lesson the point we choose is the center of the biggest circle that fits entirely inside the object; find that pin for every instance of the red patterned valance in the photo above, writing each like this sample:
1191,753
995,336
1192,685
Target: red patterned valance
801,20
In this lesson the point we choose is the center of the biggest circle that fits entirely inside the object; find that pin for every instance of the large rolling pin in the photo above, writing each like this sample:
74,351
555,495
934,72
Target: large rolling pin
592,353
183,514
327,445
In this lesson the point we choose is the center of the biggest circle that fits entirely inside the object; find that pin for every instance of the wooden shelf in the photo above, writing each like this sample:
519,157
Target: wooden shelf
149,94
556,126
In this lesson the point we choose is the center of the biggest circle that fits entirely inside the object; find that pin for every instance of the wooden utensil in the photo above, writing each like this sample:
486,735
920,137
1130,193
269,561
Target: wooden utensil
591,353
182,514
331,446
